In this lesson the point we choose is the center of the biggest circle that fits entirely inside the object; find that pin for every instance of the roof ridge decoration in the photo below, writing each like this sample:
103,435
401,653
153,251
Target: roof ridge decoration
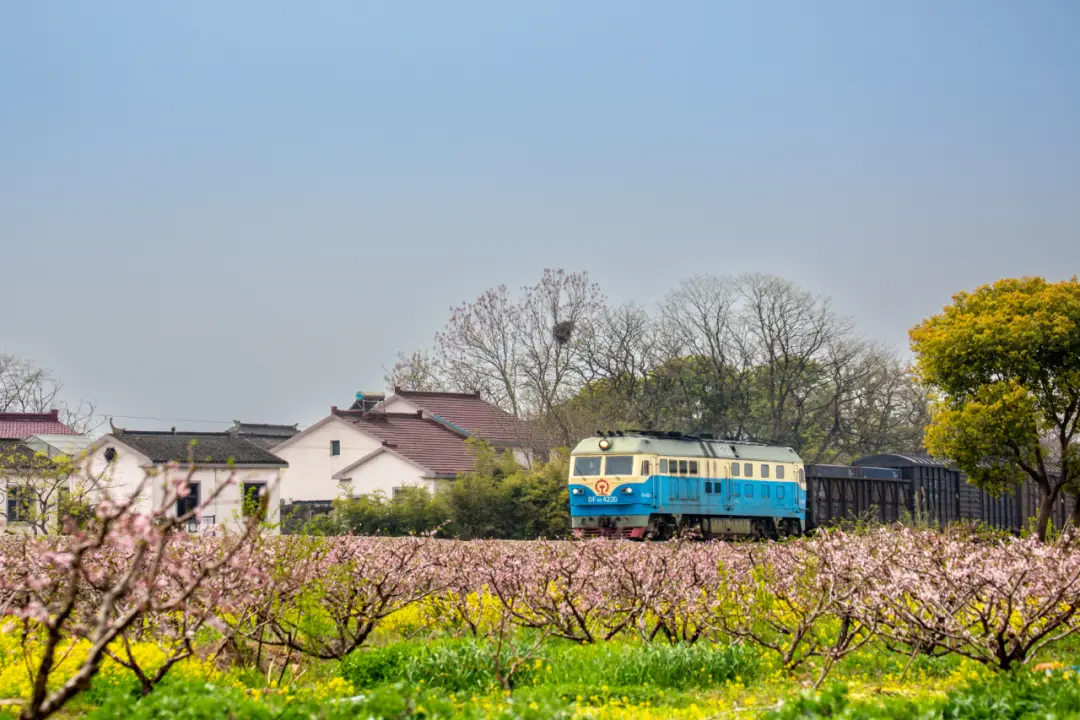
453,426
443,393
53,414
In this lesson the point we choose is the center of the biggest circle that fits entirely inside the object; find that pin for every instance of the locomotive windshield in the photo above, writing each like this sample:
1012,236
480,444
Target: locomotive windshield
620,465
586,466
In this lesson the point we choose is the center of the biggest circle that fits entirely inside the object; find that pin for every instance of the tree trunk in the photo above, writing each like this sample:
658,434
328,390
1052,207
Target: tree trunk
1046,507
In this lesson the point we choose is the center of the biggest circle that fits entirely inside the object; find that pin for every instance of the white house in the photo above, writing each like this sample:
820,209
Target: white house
355,451
30,486
122,459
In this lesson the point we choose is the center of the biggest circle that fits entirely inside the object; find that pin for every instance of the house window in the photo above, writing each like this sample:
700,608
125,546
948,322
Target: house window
254,494
764,470
693,467
645,468
748,469
20,503
779,474
188,503
734,469
335,447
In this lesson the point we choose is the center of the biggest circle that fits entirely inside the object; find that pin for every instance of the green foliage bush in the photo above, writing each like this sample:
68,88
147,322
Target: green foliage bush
468,665
500,499
1021,695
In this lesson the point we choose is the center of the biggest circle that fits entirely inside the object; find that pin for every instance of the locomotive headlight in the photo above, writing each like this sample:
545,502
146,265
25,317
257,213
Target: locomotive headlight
604,444
627,491
577,491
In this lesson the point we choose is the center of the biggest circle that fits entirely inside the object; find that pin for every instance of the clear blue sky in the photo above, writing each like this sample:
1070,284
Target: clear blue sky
242,209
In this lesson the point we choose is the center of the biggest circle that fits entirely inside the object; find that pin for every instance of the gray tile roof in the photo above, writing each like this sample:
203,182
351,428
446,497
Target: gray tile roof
209,448
264,435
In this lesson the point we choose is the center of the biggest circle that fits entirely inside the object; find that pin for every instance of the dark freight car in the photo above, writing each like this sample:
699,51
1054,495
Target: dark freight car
935,487
837,493
942,494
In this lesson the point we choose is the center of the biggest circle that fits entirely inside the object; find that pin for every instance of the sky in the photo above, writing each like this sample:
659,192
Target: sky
213,211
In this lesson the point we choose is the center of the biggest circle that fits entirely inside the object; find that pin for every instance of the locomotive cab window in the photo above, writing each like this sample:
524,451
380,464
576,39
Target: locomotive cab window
779,474
734,469
748,469
693,467
663,467
764,470
619,465
586,466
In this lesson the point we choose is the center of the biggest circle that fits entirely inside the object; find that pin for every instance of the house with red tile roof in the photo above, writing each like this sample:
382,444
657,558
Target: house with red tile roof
363,451
471,414
20,426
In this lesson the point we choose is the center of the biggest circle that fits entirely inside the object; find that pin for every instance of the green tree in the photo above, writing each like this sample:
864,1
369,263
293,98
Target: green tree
1005,361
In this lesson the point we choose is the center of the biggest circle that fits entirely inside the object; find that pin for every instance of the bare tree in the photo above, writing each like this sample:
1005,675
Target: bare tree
27,388
555,315
751,357
478,350
418,371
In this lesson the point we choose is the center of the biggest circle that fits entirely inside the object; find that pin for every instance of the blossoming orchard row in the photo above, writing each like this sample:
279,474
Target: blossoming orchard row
812,600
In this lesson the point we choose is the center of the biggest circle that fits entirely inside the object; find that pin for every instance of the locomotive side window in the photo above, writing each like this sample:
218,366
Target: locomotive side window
663,467
738,490
779,474
645,468
693,467
780,492
620,465
749,490
682,467
764,491
734,469
708,487
764,470
586,466
748,469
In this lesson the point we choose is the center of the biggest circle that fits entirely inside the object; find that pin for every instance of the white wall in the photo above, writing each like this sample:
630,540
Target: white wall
385,472
121,477
310,475
124,474
398,404
227,507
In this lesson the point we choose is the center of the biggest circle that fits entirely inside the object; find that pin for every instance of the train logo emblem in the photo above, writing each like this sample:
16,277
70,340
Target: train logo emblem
602,487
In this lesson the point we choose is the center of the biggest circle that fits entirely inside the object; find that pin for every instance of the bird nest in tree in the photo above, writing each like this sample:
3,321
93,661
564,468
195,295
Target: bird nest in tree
562,331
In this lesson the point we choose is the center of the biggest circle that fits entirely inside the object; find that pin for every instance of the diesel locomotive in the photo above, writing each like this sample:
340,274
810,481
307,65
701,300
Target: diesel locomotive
645,484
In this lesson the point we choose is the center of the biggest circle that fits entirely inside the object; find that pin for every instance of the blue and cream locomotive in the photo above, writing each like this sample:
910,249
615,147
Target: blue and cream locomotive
646,484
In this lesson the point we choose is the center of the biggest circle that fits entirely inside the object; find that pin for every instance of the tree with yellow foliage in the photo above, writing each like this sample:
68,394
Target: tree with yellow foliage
1004,361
